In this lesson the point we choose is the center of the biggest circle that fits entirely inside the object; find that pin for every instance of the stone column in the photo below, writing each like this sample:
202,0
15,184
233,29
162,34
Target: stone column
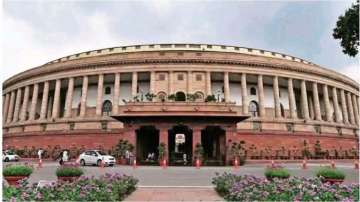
11,107
99,97
208,83
316,102
344,107
170,83
25,104
350,107
311,108
336,105
56,103
189,82
17,105
69,98
117,93
164,136
261,96
276,97
196,140
304,103
292,104
152,82
44,101
244,100
134,84
327,103
226,87
34,100
356,109
84,96
6,107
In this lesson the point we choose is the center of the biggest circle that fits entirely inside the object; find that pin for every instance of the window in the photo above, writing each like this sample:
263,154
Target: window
180,96
161,77
261,51
161,96
249,49
254,108
151,46
223,47
107,90
137,47
198,77
98,51
209,46
252,91
123,48
180,77
107,107
199,96
237,48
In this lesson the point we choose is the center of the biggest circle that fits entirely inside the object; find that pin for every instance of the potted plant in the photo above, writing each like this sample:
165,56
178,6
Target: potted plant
331,175
68,173
120,150
150,96
198,153
276,171
162,152
238,152
172,97
15,173
210,98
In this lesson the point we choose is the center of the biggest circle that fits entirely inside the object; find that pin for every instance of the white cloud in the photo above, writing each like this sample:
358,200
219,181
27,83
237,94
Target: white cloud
352,71
25,46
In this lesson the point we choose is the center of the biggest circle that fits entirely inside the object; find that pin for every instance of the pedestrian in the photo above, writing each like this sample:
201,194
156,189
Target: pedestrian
65,156
127,157
40,152
60,157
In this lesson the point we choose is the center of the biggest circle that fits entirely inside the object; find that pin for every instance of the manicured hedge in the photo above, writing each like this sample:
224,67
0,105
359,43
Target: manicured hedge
331,173
69,172
17,170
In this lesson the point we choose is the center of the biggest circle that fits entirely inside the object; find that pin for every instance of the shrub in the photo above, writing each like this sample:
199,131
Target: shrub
69,171
17,170
224,182
276,172
250,188
109,187
330,173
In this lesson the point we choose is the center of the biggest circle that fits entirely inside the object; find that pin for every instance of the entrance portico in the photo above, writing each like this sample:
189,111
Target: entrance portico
212,132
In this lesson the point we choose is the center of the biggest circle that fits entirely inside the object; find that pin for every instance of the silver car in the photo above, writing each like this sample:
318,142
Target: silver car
96,157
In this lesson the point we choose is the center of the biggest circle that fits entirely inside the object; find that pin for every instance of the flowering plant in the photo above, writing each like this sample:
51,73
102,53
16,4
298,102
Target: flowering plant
17,170
250,188
109,187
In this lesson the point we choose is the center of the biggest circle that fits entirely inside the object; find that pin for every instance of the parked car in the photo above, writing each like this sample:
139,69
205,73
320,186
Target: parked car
10,156
96,157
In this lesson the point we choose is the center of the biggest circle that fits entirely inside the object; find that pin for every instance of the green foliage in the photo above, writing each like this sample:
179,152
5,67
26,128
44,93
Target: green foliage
192,97
347,30
150,96
199,151
121,147
237,150
330,173
280,173
250,188
224,182
17,170
109,187
69,171
210,98
162,150
172,97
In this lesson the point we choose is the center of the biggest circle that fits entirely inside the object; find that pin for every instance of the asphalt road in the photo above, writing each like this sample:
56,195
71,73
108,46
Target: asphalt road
186,176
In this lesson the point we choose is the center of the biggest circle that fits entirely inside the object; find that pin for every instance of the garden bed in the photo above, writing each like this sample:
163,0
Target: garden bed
109,187
249,188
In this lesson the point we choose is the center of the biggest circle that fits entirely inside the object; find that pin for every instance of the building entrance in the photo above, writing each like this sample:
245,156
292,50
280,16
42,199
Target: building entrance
180,145
213,142
147,142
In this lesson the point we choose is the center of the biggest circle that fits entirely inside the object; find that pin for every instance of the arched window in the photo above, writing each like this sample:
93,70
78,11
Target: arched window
254,108
199,96
252,91
161,96
282,110
107,107
180,96
107,90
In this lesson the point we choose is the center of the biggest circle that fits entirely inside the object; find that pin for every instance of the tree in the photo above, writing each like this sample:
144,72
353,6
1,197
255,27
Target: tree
347,30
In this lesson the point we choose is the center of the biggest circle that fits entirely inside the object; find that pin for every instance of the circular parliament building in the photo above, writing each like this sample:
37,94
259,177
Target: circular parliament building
188,98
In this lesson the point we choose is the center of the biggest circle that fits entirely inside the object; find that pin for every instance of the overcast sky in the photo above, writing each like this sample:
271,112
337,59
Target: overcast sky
35,32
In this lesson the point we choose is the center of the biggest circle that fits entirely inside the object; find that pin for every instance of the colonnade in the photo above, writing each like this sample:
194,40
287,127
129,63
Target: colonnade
16,102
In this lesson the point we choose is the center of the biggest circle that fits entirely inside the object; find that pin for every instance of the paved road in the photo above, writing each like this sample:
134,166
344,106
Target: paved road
187,176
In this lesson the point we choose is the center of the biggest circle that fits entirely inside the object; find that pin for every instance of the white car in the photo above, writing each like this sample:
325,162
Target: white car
10,156
96,157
